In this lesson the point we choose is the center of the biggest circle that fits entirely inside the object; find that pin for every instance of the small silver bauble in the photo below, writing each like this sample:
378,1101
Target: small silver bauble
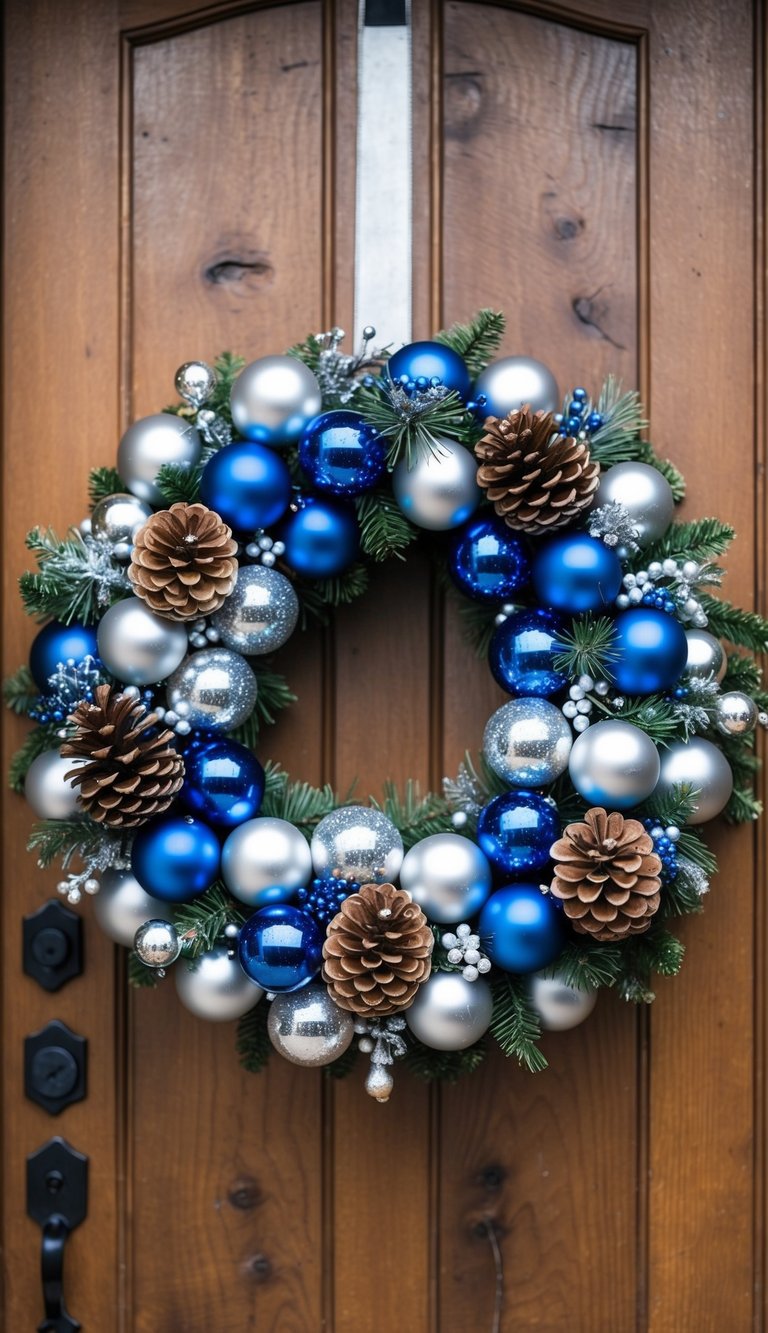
214,688
558,1005
150,443
157,943
516,380
735,713
117,518
440,490
527,742
122,905
46,789
706,655
265,860
195,382
137,646
450,1013
260,613
307,1028
274,398
699,764
379,1082
359,844
447,875
614,764
644,493
216,987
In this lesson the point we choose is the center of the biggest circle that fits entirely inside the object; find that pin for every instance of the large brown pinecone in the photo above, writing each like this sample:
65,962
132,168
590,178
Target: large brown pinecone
537,480
607,874
129,775
183,562
377,951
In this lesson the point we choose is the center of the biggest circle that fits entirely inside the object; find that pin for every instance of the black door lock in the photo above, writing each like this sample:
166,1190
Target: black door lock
57,1199
53,945
55,1067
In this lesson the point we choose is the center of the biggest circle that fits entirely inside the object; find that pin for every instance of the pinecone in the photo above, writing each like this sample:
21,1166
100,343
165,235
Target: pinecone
377,951
183,562
536,483
607,874
131,772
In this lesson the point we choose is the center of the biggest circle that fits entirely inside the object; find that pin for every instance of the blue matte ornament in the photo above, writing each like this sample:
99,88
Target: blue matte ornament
522,653
487,561
430,361
321,539
576,573
652,651
175,857
342,454
521,929
223,781
56,644
281,948
248,485
516,831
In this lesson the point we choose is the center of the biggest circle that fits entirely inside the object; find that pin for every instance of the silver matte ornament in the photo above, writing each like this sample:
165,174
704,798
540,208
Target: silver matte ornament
450,1013
274,398
735,713
215,987
514,381
214,688
117,518
195,382
137,646
527,742
122,905
644,493
307,1028
260,613
558,1005
357,843
265,860
440,490
706,655
447,875
150,443
614,764
699,764
46,789
157,943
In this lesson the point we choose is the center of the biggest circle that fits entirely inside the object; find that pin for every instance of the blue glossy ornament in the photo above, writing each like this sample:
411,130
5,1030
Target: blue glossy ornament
321,538
576,573
342,454
487,561
522,653
652,651
520,928
57,643
223,781
428,361
516,831
247,484
175,857
281,947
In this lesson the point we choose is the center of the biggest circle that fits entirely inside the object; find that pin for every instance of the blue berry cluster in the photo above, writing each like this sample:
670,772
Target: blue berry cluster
665,847
71,684
660,599
323,897
579,415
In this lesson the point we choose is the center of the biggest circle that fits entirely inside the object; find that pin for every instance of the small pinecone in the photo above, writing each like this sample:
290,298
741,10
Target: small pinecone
132,772
377,951
537,480
183,562
607,874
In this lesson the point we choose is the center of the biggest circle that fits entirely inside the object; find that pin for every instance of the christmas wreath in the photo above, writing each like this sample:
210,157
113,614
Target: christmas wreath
419,927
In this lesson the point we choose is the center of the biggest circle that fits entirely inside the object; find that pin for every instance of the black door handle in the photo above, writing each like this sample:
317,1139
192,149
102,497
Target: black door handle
57,1194
57,1319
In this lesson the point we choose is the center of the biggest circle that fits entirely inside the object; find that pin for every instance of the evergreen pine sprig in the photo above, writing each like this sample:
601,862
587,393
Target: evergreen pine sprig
65,588
102,482
384,529
588,965
667,469
140,976
415,816
679,898
588,648
20,691
743,673
654,714
617,440
747,629
447,1066
298,802
273,695
319,597
308,351
478,623
178,484
201,923
42,738
64,839
345,1064
656,951
411,425
477,342
227,367
515,1024
702,539
252,1044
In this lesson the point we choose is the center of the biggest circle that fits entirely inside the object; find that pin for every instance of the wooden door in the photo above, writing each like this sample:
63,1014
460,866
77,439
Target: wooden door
180,180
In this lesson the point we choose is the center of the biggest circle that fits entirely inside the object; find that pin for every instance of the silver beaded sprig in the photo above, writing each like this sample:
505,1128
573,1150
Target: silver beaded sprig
174,719
464,952
464,795
201,633
338,373
106,562
680,579
578,706
697,711
692,875
264,550
231,935
107,856
612,523
215,430
382,1039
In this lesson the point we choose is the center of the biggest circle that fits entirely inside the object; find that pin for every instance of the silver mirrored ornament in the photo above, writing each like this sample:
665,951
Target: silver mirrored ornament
122,905
157,943
644,493
274,398
215,987
195,382
699,764
357,843
46,788
214,688
614,764
117,518
558,1005
150,443
137,646
735,713
307,1028
513,381
448,876
265,860
706,655
527,742
260,613
450,1013
440,490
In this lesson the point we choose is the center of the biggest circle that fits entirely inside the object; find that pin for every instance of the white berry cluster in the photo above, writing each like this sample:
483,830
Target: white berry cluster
264,550
201,634
464,951
578,706
682,577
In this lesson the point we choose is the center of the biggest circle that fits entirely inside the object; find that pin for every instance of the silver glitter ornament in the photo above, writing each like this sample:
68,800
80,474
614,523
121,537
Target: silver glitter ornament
215,987
644,494
527,742
440,490
513,381
157,943
614,764
265,860
358,843
447,875
706,655
150,443
214,688
137,646
122,905
195,382
307,1028
450,1013
260,613
46,789
117,518
558,1005
274,398
699,764
735,713
379,1083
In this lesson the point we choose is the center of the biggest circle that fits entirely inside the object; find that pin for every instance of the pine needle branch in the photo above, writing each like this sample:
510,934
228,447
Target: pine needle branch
415,816
178,484
42,738
141,977
298,802
588,648
320,596
273,695
477,342
515,1024
587,964
701,540
64,839
20,691
384,529
447,1066
64,588
747,629
102,482
411,423
201,923
252,1044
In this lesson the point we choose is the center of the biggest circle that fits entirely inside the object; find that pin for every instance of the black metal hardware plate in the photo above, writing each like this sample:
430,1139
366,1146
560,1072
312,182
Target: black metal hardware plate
57,1183
55,1067
52,945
